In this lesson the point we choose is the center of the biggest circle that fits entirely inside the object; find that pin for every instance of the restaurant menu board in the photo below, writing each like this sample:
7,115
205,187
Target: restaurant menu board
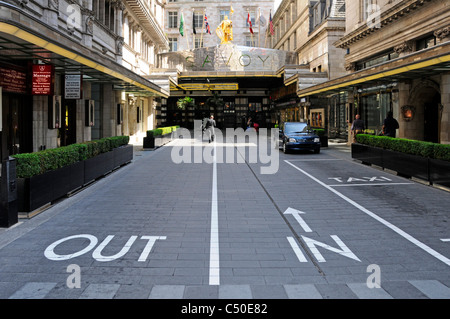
13,81
42,79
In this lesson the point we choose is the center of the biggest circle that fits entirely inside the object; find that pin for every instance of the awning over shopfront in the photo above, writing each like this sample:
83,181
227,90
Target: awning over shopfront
421,64
18,42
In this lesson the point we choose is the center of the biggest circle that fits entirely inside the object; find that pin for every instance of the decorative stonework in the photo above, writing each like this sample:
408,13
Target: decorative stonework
53,4
351,66
119,45
89,23
443,33
405,47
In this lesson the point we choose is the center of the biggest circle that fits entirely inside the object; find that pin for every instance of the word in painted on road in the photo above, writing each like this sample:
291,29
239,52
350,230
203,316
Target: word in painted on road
361,179
97,253
312,244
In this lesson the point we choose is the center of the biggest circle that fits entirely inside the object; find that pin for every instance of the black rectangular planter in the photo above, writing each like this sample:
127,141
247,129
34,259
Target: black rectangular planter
431,170
367,154
158,141
36,191
123,155
406,164
440,172
98,166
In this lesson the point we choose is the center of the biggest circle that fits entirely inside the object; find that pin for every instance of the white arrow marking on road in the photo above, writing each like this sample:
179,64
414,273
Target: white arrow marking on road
296,213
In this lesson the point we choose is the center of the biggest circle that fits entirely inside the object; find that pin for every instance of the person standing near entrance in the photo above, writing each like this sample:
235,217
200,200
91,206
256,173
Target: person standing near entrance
357,127
390,125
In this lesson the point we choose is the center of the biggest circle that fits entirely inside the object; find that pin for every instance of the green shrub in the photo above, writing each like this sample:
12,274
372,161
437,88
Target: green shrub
442,152
414,147
319,131
30,164
27,165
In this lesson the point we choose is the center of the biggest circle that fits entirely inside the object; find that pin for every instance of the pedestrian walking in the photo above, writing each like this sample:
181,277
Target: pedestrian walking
209,128
390,125
357,127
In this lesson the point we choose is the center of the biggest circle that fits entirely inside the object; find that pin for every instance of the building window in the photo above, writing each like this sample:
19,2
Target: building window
198,19
367,8
249,41
425,43
173,44
198,42
173,19
224,13
383,57
104,12
173,0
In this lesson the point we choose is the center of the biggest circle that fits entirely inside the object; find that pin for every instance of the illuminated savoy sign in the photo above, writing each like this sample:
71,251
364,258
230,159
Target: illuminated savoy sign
230,57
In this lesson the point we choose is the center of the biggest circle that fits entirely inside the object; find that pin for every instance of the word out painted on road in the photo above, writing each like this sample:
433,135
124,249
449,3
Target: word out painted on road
312,243
97,253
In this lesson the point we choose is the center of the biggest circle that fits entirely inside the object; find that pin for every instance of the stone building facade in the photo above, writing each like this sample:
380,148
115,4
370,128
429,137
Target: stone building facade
397,60
308,28
215,10
78,47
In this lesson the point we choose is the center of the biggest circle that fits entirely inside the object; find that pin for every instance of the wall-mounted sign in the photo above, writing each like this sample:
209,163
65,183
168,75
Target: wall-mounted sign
13,81
72,86
42,79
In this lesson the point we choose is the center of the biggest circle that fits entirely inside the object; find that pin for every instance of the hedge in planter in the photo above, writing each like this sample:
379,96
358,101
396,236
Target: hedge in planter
162,133
47,175
413,147
424,160
30,164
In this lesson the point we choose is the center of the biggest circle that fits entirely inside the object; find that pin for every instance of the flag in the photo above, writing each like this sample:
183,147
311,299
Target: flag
193,23
261,20
249,22
208,29
272,31
182,24
231,9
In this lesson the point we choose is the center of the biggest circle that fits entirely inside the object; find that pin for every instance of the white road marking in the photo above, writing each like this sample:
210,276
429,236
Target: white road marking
297,250
376,184
376,217
214,264
296,213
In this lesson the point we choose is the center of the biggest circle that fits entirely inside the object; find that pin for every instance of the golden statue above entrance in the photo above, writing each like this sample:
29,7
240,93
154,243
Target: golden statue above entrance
225,31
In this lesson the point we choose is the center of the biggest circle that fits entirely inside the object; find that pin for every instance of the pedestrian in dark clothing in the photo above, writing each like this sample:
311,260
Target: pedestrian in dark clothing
209,127
357,126
390,125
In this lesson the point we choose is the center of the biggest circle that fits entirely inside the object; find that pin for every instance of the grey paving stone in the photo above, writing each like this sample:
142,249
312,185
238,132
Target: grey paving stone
33,290
402,290
167,292
201,292
100,291
335,291
235,292
305,291
432,288
364,292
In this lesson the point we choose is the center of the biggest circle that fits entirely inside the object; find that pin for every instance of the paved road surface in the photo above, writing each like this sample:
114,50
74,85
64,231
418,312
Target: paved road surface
322,226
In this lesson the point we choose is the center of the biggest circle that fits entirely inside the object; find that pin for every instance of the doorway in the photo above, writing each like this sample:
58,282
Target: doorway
431,118
16,116
68,130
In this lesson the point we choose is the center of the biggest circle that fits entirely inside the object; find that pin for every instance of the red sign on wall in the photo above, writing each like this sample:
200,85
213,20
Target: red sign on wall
13,81
42,79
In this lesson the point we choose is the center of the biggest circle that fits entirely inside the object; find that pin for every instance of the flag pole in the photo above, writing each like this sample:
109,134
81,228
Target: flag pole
193,28
259,27
203,26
